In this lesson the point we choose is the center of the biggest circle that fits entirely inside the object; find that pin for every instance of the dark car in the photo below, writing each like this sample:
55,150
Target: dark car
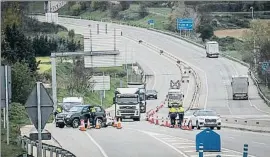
76,113
151,94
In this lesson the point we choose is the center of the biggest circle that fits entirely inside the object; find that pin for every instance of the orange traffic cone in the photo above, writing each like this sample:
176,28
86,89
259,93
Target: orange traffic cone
88,124
119,126
190,125
97,125
157,121
167,123
82,126
162,122
114,123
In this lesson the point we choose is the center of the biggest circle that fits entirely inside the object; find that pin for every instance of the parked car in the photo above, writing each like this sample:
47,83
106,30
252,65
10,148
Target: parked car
206,118
78,112
151,94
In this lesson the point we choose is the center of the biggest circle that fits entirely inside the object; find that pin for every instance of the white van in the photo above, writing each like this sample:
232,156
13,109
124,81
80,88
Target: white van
212,49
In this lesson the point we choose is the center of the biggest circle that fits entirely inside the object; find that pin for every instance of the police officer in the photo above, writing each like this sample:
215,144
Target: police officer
181,114
58,110
173,114
93,115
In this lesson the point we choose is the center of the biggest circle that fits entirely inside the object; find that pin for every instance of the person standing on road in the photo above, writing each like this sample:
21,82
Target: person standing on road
93,115
173,115
181,114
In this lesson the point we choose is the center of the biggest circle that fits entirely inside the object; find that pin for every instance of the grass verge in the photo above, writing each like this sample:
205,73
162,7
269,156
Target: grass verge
18,119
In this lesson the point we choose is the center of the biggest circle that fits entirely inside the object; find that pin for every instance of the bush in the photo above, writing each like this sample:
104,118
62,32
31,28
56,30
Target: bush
142,11
115,9
75,9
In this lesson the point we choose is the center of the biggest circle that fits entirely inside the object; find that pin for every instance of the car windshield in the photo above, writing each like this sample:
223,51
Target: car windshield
207,113
127,100
174,96
76,109
68,105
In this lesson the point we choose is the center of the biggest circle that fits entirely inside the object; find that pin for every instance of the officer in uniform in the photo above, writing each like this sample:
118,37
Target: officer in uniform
93,115
181,114
59,109
173,114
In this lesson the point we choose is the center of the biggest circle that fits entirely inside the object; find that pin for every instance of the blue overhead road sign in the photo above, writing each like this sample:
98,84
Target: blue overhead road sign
184,24
151,21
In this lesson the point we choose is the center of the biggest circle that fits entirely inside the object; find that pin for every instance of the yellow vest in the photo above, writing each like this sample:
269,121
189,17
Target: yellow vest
173,110
93,110
59,109
181,109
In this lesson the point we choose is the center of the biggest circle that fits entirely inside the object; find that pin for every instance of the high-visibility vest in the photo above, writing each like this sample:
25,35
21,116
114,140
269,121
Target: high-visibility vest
93,110
181,110
59,109
173,110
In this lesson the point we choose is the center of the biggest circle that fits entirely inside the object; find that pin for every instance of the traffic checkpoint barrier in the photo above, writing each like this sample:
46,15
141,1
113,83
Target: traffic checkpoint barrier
119,125
47,150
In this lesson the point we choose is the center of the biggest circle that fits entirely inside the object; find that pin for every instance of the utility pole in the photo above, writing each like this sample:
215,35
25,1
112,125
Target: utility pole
254,42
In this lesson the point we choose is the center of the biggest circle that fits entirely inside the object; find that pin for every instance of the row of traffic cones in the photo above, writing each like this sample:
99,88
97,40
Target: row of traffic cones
83,128
117,124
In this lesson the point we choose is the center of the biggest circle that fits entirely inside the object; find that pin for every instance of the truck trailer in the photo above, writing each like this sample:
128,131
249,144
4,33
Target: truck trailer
212,49
240,87
142,94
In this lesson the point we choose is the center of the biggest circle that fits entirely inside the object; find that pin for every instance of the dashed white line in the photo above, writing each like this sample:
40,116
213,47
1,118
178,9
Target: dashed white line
259,143
186,147
99,147
181,143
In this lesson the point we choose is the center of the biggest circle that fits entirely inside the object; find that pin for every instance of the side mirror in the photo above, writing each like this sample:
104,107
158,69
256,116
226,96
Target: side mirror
195,114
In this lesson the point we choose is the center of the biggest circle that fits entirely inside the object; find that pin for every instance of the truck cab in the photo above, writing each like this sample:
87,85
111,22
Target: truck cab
127,103
175,97
212,49
240,87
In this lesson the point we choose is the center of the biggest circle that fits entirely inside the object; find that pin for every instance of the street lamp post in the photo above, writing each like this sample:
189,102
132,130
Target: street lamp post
254,43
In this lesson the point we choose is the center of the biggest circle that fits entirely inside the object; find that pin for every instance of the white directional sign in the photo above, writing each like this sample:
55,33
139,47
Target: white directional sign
101,82
102,61
46,106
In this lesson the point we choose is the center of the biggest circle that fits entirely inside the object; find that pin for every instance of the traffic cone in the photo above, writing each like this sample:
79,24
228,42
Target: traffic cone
97,125
162,122
88,124
119,126
114,122
157,121
190,125
152,121
82,126
167,123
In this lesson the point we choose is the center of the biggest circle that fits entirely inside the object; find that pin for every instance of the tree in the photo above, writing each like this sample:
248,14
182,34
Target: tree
142,11
206,31
99,5
23,80
115,9
17,47
71,33
125,5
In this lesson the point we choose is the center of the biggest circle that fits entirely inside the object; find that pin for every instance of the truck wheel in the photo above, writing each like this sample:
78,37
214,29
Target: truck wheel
212,128
218,128
61,125
136,119
75,123
56,124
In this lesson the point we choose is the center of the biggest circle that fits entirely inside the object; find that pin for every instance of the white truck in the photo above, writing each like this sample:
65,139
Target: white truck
142,94
212,49
127,103
240,87
175,95
69,102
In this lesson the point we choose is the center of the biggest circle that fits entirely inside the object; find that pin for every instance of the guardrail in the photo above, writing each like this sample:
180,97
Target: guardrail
47,150
196,93
266,100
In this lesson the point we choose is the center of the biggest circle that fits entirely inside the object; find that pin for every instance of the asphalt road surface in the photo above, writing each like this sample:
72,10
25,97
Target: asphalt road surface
144,139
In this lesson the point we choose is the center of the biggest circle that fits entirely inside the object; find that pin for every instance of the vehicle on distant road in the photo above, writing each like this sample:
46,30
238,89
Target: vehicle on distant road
76,113
240,87
151,94
206,118
212,49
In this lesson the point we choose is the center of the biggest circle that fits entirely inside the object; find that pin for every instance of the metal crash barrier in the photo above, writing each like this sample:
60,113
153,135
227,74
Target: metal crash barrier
47,150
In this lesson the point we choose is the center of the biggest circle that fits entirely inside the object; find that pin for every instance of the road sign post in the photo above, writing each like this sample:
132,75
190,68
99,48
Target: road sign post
39,107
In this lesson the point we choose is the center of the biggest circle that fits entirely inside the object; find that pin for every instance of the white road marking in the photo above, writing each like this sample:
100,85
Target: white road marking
253,105
186,147
99,147
231,137
259,143
214,155
185,143
189,151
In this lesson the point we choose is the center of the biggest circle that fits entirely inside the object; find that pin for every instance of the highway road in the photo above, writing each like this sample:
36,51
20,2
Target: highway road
141,138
